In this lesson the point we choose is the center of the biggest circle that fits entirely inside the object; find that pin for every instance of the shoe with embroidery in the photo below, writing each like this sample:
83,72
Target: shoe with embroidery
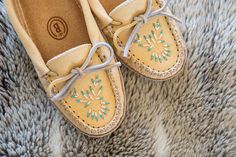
144,35
83,80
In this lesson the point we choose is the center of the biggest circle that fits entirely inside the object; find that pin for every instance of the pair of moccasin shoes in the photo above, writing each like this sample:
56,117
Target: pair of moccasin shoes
77,66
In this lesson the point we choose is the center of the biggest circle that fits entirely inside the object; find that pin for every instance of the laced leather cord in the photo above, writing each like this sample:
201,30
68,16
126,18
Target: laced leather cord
138,23
77,73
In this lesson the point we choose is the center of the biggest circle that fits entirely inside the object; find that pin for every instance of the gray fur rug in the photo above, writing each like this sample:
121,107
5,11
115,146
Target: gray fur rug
192,115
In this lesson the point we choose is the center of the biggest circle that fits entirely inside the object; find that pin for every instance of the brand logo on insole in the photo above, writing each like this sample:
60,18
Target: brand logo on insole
57,28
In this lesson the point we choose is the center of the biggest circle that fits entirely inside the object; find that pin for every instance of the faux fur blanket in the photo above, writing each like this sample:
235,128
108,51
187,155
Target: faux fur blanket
191,115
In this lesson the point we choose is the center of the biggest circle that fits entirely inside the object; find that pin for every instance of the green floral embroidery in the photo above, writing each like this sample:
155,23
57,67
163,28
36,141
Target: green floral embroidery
154,38
90,97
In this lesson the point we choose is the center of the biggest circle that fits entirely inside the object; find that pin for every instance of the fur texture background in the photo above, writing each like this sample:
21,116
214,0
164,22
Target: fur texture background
192,115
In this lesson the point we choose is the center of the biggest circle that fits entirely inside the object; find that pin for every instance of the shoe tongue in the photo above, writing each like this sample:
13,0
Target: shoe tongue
66,61
126,11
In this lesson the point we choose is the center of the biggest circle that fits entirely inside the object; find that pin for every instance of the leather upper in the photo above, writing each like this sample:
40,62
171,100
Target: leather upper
158,50
95,102
75,57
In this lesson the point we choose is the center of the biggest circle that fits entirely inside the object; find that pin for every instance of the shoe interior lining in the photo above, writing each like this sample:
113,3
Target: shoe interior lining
54,25
109,5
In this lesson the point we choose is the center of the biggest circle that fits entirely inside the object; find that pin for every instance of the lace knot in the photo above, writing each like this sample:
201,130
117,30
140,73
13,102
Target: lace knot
141,18
78,71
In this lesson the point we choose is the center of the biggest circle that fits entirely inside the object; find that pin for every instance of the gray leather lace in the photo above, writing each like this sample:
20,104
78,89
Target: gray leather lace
77,73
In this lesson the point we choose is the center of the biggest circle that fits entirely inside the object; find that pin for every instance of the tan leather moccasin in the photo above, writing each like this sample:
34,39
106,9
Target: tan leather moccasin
76,67
144,35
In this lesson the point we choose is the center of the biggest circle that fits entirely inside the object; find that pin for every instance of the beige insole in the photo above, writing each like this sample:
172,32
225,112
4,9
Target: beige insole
54,25
109,5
